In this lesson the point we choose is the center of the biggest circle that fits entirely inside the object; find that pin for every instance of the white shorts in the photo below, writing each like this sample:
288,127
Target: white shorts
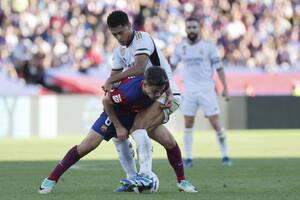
205,98
175,105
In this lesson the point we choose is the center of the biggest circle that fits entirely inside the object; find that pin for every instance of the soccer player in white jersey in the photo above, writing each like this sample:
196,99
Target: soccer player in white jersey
135,53
200,59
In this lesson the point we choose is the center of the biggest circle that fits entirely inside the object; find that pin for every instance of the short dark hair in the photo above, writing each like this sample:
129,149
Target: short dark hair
156,76
117,18
193,18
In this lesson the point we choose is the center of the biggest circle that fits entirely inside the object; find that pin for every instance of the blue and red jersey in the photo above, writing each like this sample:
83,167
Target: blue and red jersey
129,97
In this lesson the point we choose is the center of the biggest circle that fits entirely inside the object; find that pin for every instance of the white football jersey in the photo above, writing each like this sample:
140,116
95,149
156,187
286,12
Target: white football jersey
142,43
199,60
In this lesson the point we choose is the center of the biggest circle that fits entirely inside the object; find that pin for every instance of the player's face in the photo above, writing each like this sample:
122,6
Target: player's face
192,29
153,92
122,33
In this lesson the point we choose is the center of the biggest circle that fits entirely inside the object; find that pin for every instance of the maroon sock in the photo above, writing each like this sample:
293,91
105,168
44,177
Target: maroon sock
70,158
175,159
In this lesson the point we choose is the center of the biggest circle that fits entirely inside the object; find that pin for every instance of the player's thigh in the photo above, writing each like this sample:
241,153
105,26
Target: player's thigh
189,105
104,127
151,117
208,102
89,143
163,136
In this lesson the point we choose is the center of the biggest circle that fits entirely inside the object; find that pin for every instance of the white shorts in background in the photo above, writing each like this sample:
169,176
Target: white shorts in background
205,98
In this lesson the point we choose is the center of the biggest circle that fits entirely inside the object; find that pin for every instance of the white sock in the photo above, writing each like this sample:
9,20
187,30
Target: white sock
126,156
188,142
221,138
144,148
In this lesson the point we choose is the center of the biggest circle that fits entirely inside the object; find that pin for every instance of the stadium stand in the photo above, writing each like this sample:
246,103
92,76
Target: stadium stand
41,40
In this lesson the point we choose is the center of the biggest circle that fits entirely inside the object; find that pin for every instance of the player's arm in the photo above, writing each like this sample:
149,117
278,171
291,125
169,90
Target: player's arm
106,86
216,63
175,58
140,62
115,72
169,99
108,104
222,78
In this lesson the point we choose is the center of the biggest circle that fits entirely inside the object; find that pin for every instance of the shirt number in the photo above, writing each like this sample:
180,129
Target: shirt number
117,98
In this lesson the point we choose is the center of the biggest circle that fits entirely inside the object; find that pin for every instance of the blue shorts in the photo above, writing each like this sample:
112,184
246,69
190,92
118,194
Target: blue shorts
106,129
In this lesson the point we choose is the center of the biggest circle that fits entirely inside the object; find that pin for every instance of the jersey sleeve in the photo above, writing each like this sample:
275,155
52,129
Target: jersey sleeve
143,44
215,59
176,56
117,62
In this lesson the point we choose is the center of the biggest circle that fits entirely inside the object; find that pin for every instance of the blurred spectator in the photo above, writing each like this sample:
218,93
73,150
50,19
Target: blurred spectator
42,34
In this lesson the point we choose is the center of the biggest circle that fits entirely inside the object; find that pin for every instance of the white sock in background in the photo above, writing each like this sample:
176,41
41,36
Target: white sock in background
221,138
188,142
126,156
144,148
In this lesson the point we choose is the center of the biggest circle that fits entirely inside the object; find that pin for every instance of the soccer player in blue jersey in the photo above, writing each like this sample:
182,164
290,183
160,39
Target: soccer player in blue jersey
135,53
132,95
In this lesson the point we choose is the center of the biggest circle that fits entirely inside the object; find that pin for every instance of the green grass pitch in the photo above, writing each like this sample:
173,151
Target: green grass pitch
266,166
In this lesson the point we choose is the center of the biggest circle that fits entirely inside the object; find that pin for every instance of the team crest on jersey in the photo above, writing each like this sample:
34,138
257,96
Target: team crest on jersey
103,128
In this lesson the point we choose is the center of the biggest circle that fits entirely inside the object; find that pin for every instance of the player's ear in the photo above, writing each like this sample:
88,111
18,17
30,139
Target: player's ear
129,25
144,83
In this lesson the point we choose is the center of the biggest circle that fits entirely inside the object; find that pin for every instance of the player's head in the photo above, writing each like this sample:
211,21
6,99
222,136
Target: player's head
156,82
192,28
119,26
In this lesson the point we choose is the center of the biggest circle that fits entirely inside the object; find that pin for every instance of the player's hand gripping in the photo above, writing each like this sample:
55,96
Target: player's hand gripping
168,102
108,86
122,133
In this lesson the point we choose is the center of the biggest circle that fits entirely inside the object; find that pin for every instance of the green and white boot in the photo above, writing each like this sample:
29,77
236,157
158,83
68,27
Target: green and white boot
186,186
46,186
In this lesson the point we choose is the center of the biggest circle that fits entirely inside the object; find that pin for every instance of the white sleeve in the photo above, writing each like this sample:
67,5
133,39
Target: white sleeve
117,62
143,44
215,59
176,56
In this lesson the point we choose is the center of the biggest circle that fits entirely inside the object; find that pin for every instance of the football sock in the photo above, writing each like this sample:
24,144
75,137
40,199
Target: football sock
175,159
221,138
126,156
188,142
70,158
144,150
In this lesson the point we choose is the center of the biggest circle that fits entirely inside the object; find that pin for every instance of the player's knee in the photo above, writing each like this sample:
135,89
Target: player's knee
189,122
85,147
170,143
215,123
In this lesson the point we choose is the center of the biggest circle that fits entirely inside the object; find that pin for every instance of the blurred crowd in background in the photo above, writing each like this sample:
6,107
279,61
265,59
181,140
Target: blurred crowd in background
36,35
